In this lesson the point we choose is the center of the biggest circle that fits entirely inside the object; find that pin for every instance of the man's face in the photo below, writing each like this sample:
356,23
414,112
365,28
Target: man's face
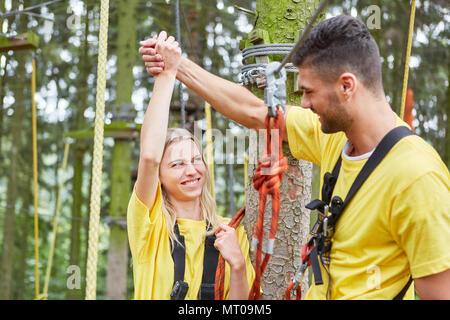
322,98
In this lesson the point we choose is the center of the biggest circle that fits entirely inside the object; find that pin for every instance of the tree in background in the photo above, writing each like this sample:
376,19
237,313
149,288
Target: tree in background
16,126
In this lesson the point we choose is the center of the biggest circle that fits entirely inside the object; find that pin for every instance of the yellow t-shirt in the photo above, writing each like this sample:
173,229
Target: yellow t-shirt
153,268
397,224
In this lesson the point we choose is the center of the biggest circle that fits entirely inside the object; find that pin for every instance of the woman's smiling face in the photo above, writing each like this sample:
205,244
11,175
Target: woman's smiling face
182,171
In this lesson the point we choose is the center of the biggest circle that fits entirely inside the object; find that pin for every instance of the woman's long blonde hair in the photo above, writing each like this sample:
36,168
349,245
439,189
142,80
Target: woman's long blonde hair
207,203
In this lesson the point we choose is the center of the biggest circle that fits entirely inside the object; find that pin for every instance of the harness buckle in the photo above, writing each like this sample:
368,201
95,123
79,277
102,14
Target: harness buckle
275,90
299,274
326,210
206,291
336,206
325,227
179,291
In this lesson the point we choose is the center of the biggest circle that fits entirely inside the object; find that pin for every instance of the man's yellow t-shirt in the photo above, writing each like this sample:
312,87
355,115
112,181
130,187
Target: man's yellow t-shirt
153,268
397,224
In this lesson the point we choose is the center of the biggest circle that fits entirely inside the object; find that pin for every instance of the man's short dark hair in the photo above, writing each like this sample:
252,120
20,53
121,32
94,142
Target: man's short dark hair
342,44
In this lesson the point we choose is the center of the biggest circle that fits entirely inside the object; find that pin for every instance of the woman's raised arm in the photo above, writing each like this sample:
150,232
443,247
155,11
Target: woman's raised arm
154,127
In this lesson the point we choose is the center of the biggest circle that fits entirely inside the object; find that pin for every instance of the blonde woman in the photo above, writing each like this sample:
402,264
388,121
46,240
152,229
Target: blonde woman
171,208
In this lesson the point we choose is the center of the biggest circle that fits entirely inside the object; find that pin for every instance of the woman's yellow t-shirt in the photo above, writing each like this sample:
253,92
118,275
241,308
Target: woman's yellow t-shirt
153,268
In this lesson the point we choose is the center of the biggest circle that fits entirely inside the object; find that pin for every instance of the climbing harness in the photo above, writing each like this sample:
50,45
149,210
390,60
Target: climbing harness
210,261
319,241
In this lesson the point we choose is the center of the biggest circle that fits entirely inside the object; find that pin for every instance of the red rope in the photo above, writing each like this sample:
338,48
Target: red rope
287,294
267,180
306,261
220,271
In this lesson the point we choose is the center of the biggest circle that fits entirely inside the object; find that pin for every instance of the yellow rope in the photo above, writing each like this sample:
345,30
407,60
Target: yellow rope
209,147
408,56
55,222
91,268
35,179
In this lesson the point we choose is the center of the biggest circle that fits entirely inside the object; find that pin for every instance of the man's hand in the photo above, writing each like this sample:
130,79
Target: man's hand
154,62
170,53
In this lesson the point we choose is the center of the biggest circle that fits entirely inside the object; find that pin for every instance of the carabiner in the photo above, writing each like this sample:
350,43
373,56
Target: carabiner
275,91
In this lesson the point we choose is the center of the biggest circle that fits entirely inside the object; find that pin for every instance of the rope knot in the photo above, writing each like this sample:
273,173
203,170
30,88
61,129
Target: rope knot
269,173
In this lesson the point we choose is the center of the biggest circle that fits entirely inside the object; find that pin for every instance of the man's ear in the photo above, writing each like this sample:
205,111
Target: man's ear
348,84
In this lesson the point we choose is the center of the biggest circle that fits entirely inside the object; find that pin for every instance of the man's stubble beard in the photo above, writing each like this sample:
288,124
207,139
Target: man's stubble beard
336,118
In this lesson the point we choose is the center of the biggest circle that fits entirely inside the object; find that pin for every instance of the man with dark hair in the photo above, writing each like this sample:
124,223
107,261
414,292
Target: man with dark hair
397,225
342,44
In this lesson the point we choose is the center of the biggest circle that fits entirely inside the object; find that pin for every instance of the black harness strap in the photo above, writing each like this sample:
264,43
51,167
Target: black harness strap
402,293
324,228
210,260
383,148
180,287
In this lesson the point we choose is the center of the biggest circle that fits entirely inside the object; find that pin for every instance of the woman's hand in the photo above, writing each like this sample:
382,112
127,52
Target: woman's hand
228,245
168,52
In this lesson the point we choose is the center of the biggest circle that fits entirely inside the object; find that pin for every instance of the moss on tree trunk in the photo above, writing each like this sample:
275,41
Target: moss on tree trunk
282,22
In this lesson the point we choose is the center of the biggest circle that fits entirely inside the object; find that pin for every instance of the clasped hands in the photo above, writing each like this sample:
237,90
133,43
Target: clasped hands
160,53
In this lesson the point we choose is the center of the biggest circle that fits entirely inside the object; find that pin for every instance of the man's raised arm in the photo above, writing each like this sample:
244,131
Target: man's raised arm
230,99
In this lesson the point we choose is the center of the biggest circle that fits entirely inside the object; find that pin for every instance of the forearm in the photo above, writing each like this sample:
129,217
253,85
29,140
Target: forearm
434,287
154,127
230,99
239,289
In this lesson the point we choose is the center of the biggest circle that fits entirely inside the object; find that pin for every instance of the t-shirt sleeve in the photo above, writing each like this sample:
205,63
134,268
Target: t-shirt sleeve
141,220
420,223
303,130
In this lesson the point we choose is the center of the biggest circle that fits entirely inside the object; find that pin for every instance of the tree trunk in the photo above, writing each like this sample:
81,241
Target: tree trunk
116,277
7,263
27,203
283,21
74,258
79,153
2,85
2,113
